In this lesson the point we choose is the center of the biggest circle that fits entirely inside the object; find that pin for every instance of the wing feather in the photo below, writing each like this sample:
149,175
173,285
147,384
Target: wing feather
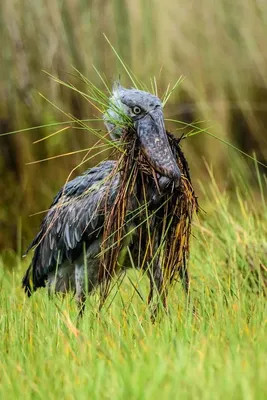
75,217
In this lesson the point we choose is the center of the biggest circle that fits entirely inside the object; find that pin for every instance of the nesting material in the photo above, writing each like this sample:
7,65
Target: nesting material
159,230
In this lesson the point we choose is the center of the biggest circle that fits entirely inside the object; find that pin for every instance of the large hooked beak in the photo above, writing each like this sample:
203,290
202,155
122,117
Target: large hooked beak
155,145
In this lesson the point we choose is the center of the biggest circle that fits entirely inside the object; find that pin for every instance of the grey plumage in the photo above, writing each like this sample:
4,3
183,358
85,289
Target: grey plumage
71,233
75,217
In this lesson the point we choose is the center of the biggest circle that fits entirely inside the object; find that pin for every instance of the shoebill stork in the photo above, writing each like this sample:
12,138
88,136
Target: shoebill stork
67,247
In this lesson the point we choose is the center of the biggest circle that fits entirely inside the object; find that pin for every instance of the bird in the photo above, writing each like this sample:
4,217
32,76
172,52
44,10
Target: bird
67,247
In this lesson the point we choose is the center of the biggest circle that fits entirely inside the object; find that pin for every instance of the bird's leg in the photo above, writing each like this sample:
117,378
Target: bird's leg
80,288
156,281
185,278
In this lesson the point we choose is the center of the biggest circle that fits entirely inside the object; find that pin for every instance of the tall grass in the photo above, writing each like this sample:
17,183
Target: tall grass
119,354
218,48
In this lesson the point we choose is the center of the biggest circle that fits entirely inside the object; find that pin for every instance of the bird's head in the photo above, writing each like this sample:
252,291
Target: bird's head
144,112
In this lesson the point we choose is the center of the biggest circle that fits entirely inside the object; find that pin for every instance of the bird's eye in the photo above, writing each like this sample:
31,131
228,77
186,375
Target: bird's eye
136,110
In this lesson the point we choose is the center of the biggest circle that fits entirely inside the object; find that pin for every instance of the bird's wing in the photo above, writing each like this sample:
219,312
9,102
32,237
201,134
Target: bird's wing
75,217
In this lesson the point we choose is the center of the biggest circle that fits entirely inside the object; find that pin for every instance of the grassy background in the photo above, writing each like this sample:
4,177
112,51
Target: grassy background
119,354
220,49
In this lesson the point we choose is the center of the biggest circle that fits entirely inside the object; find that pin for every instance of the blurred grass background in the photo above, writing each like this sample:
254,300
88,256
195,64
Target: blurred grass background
220,47
118,354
